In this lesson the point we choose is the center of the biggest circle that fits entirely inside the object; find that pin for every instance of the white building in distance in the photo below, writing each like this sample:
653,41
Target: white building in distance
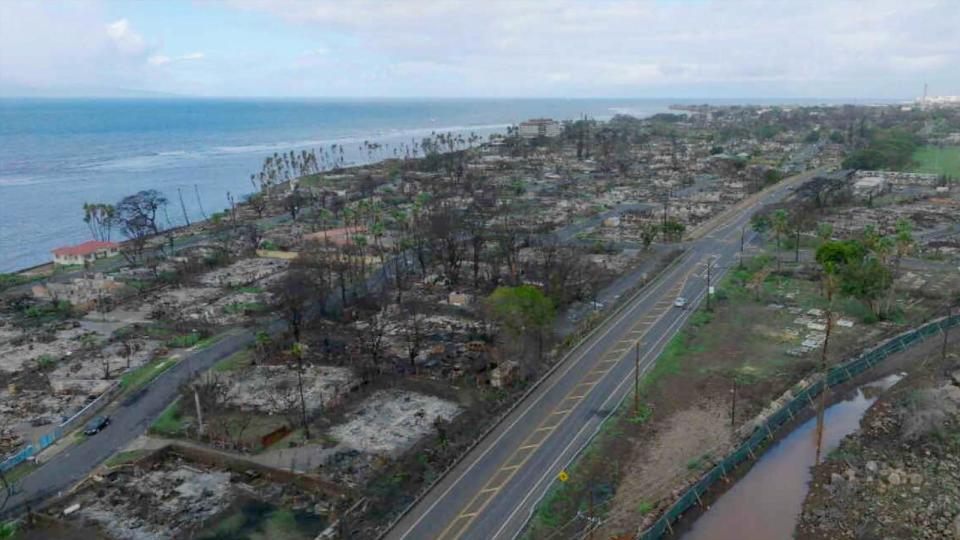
539,127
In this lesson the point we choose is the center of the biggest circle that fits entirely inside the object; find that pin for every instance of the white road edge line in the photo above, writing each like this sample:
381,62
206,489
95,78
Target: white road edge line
623,314
683,318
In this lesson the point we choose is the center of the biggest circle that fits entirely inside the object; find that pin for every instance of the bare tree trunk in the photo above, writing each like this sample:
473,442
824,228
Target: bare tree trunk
303,403
183,207
196,189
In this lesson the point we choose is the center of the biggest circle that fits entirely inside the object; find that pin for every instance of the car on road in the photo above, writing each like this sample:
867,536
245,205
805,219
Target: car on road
680,302
96,425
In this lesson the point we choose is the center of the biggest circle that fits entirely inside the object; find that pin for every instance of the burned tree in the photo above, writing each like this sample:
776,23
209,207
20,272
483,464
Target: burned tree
293,294
136,215
413,328
99,218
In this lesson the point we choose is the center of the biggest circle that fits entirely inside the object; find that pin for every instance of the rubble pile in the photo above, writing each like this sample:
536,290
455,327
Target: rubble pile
274,389
899,477
390,421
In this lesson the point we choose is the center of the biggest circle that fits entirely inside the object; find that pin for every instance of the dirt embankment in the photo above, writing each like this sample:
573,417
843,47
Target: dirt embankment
899,476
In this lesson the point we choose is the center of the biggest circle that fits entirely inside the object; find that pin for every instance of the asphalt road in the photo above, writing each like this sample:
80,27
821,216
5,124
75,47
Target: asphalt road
129,419
493,491
650,317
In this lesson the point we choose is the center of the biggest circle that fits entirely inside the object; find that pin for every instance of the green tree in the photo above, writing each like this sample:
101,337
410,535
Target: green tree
888,149
904,239
856,271
867,282
648,233
824,232
674,229
523,309
760,223
780,222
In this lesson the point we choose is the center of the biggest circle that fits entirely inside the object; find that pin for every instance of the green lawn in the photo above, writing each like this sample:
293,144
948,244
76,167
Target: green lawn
931,159
233,362
127,456
171,422
16,474
142,376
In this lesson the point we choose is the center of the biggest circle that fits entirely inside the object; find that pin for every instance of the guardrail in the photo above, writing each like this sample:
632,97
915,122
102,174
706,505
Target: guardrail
801,399
66,426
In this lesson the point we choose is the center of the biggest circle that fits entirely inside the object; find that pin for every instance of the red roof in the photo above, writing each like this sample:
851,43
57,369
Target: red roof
85,248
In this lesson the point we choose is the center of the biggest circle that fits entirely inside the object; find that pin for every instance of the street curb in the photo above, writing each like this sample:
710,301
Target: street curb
519,401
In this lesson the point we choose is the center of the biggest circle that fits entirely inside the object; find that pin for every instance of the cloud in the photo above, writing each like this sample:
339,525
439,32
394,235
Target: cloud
162,59
717,48
126,41
159,60
632,46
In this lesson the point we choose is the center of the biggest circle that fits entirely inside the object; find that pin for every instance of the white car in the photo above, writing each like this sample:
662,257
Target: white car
680,302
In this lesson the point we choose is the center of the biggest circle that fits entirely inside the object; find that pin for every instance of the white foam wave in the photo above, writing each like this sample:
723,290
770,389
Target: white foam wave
18,181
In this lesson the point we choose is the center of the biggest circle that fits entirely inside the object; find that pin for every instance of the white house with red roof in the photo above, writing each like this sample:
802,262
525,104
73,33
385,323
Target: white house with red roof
85,252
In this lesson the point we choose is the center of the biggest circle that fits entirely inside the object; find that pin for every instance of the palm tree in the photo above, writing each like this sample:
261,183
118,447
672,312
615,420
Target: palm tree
780,222
831,281
904,240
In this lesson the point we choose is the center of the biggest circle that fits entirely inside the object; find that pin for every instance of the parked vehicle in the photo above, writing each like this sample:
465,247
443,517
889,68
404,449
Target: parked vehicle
96,425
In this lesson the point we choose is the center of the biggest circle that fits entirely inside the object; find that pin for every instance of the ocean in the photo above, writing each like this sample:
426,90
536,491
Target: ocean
56,154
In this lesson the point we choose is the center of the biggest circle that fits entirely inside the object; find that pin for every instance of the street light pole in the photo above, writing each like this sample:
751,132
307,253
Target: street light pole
709,264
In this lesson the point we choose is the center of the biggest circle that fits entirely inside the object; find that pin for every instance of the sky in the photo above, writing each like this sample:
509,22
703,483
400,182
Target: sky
481,48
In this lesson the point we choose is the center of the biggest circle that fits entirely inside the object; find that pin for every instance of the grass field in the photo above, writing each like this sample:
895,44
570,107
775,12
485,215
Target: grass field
137,378
930,159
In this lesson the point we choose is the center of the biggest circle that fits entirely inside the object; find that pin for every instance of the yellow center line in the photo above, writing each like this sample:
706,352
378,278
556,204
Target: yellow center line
520,456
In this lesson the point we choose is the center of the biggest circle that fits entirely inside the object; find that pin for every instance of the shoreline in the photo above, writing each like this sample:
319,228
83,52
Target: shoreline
242,200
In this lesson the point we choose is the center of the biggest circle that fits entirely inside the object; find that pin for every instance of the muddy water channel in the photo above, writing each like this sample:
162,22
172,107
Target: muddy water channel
765,504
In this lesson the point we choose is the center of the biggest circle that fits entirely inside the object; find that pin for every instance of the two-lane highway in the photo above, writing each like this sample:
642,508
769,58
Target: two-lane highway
493,491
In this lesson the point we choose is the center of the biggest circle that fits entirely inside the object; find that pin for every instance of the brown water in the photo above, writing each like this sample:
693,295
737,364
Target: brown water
765,504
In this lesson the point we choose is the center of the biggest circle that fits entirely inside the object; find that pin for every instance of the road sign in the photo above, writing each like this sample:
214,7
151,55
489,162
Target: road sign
563,476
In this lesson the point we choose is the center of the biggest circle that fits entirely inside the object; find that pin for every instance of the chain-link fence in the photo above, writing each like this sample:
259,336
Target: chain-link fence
801,399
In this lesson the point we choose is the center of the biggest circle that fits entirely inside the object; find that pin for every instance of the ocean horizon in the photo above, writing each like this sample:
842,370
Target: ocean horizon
57,153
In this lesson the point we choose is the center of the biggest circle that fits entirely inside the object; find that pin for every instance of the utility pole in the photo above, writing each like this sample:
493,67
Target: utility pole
636,381
743,231
946,331
196,400
823,391
797,258
733,405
